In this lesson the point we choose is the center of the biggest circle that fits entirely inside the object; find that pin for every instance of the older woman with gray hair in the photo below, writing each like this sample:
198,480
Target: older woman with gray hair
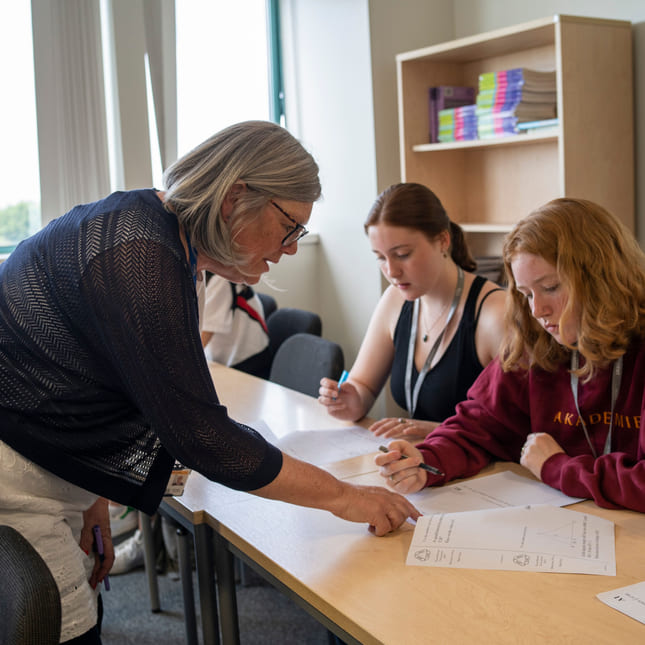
103,380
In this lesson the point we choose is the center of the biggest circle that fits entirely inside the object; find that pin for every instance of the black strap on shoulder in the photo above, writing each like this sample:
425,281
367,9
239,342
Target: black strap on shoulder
479,309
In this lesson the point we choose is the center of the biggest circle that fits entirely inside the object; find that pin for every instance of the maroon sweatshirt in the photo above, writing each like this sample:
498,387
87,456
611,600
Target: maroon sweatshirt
503,407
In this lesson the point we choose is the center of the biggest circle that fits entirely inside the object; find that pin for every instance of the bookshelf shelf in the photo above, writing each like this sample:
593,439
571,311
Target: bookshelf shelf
487,185
514,140
486,228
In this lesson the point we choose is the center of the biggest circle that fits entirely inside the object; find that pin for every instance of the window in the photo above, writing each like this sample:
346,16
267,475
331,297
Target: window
225,73
20,194
222,67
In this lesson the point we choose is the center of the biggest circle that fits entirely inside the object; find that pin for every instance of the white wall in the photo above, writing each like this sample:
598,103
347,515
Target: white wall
397,27
476,16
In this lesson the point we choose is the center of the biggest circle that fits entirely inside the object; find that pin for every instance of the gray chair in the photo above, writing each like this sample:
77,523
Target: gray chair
30,612
269,303
303,359
287,321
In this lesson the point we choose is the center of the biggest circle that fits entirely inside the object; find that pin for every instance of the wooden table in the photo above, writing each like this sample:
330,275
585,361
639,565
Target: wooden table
248,399
359,586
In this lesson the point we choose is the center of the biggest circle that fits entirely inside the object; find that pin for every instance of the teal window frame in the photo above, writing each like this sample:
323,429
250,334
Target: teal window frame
276,82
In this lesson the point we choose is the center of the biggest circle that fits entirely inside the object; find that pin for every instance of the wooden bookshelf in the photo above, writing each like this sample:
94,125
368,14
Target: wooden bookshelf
488,185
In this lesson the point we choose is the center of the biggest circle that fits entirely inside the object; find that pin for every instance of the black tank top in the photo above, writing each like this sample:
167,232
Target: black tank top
447,382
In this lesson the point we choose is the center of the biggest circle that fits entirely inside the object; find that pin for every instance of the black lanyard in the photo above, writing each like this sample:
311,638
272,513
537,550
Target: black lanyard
616,376
192,257
412,397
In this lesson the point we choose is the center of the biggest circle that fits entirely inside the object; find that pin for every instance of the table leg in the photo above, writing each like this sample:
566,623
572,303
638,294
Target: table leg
149,560
226,593
205,578
186,574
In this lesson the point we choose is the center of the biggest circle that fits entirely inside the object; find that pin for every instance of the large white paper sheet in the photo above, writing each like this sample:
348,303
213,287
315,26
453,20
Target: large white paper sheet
492,491
263,428
533,538
320,447
629,600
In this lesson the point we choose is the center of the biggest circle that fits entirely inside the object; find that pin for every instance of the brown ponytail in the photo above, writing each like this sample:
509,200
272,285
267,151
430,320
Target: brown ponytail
459,250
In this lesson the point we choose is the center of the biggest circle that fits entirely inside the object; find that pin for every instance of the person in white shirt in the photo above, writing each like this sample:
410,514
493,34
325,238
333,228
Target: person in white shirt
233,327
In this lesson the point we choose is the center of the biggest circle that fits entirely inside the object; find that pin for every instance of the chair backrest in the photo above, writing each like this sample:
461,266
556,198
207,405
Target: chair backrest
287,321
303,359
30,612
269,303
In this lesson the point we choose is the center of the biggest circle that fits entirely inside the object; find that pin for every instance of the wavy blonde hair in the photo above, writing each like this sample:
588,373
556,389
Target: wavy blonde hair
600,264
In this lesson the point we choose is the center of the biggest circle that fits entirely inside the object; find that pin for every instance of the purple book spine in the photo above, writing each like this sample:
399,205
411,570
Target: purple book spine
443,97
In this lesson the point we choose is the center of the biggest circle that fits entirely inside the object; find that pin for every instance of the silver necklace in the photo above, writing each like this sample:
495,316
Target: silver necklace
425,336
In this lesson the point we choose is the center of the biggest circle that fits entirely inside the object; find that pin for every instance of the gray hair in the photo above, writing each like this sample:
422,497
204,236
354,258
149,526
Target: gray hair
266,157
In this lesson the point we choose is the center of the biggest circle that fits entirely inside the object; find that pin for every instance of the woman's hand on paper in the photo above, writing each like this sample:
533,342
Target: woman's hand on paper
402,427
302,483
383,510
537,448
402,474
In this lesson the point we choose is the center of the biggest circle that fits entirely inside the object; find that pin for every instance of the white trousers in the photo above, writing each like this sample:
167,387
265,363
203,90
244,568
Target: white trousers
48,512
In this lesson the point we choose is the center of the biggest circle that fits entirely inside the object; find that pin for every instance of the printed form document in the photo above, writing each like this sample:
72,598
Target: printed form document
506,521
529,538
629,600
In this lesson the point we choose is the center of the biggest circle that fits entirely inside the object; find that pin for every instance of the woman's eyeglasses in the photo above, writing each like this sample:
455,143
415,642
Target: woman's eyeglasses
296,233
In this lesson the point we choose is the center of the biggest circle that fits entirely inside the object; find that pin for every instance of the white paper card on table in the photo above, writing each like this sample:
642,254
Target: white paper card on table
320,447
263,428
629,600
532,538
492,491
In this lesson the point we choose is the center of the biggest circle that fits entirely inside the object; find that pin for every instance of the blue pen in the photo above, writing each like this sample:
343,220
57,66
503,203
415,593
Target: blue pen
98,539
341,380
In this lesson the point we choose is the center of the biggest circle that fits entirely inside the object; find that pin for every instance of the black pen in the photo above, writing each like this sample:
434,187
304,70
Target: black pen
430,469
98,539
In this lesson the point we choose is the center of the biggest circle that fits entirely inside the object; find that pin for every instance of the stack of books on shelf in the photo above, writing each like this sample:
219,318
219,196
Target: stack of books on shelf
445,97
458,124
513,96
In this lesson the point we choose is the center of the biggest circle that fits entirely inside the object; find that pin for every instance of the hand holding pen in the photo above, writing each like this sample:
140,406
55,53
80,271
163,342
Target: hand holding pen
97,514
422,465
406,479
342,379
98,543
341,398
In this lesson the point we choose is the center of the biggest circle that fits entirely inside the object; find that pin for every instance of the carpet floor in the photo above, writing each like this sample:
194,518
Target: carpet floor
266,616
